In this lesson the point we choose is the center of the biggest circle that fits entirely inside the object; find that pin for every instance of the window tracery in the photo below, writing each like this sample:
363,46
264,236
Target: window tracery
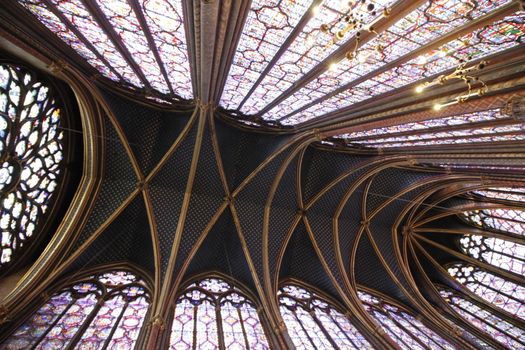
419,27
31,156
480,317
437,132
407,331
211,312
503,220
515,194
495,290
476,45
313,322
499,252
105,310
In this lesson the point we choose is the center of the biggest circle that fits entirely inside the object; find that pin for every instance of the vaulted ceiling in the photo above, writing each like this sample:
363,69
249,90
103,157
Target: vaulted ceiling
234,136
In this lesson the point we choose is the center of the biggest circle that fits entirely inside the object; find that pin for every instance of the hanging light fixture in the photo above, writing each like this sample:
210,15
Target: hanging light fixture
475,86
354,18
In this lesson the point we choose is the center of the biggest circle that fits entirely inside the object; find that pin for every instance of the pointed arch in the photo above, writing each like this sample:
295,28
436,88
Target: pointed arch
407,330
212,311
484,319
103,307
313,320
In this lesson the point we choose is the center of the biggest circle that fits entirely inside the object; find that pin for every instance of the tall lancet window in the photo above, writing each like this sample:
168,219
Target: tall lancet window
496,290
496,326
407,331
104,311
501,246
514,194
31,154
504,254
506,220
313,322
213,314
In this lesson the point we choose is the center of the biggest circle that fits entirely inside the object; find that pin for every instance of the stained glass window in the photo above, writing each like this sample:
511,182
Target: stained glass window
515,194
501,330
426,23
103,311
506,220
476,45
458,129
155,56
487,167
308,49
505,254
313,322
31,146
210,305
407,331
494,289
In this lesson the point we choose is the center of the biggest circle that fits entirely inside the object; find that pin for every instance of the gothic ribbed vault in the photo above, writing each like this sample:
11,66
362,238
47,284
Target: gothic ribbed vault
180,183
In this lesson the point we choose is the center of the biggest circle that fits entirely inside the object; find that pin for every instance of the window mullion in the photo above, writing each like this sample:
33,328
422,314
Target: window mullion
407,331
342,331
220,332
385,326
39,340
115,326
426,335
304,330
195,309
493,251
243,328
326,334
497,291
490,324
73,342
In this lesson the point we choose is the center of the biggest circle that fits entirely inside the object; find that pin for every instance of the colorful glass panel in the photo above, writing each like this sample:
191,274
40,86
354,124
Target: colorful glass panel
268,25
506,220
499,252
31,146
165,24
428,22
402,327
501,330
92,307
128,329
50,20
125,23
75,13
479,167
515,194
496,290
467,119
489,40
308,49
470,133
311,321
212,304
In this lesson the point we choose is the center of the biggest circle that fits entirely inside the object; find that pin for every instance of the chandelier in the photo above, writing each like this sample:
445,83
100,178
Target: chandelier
475,86
354,17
